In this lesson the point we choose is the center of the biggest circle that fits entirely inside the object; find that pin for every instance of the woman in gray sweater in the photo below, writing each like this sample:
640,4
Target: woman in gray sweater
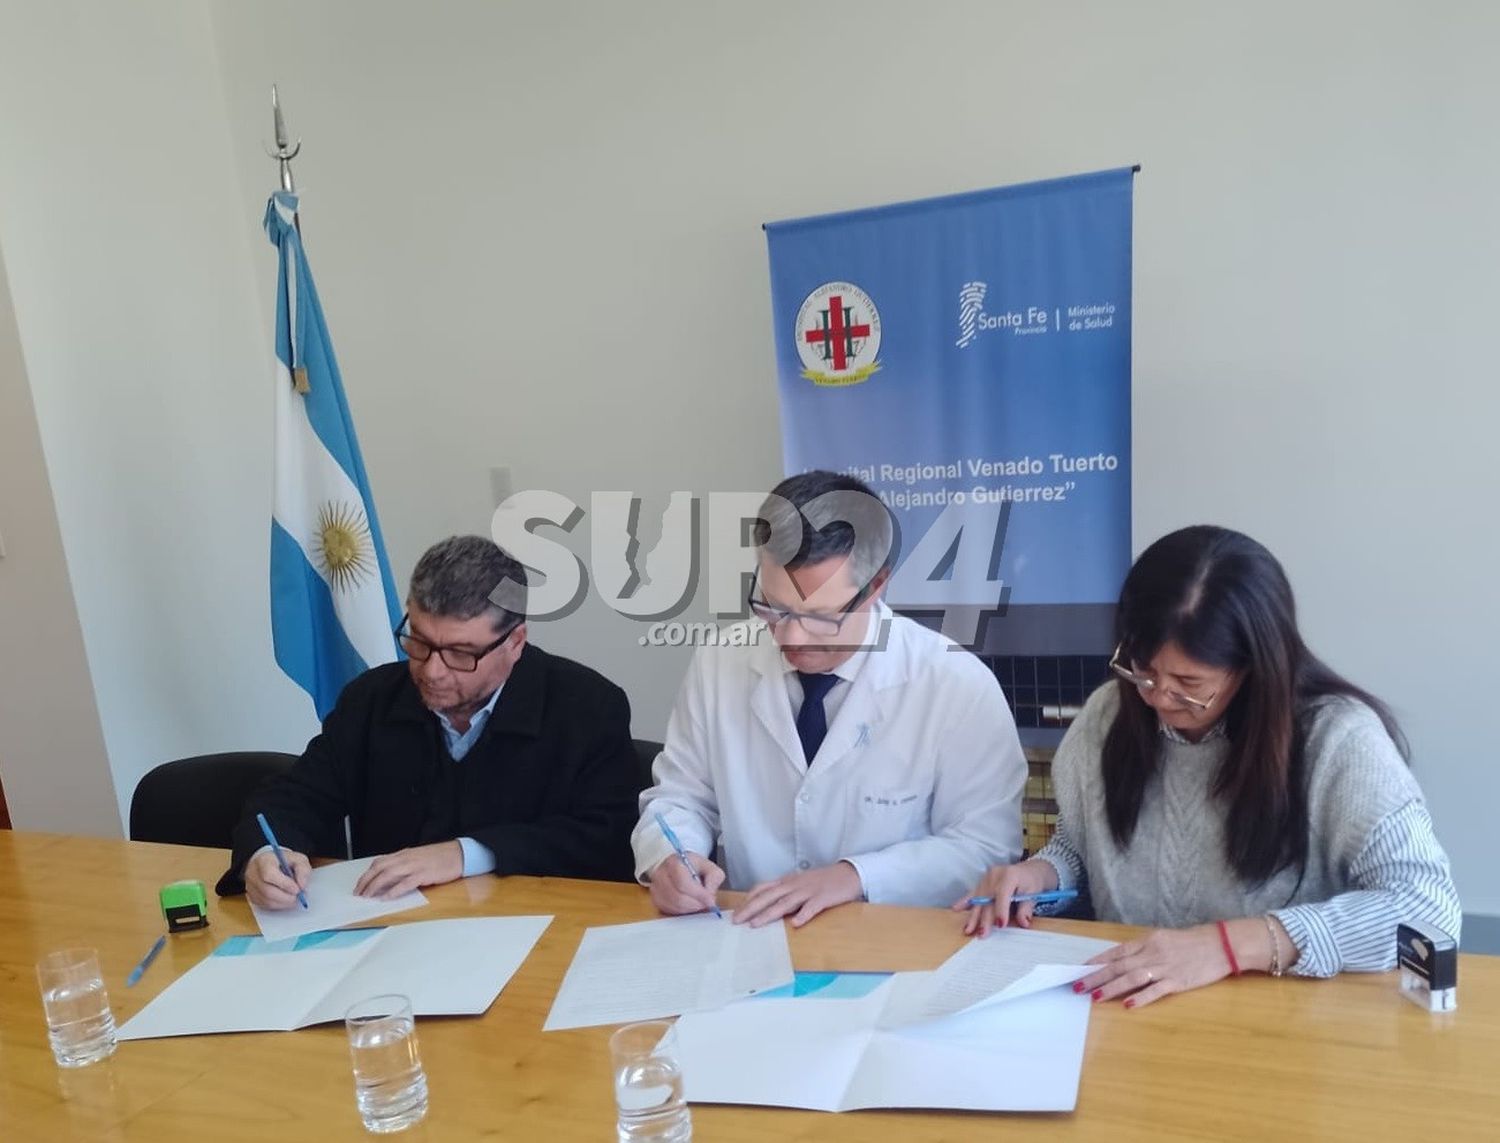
1230,790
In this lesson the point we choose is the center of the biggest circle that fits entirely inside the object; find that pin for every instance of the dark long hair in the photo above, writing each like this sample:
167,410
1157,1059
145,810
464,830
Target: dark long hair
1225,601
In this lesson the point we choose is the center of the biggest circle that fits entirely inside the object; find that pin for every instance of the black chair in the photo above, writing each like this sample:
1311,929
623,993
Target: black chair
645,754
197,801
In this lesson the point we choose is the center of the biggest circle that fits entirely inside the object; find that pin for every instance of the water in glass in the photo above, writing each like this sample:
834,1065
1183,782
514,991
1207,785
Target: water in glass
648,1097
80,1025
390,1087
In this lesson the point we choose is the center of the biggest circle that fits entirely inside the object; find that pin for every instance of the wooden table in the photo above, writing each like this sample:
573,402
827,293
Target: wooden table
1250,1059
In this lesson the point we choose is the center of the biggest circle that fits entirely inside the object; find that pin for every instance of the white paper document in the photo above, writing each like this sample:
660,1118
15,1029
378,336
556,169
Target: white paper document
993,1029
447,968
651,969
331,903
1006,965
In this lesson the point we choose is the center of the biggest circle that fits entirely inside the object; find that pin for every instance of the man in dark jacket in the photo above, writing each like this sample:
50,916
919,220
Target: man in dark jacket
479,754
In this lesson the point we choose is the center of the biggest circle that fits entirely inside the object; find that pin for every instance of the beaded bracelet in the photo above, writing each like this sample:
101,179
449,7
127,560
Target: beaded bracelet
1276,969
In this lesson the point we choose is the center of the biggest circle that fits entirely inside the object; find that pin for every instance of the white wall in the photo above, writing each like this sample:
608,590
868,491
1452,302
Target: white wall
52,760
517,214
124,233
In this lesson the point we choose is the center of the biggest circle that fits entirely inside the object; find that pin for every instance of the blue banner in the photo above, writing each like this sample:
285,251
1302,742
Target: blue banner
969,358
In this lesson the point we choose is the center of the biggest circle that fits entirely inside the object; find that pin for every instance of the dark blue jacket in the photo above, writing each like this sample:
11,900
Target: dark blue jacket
550,786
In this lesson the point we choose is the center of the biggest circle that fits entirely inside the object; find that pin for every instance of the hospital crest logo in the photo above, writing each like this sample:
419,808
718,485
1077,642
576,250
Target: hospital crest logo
838,335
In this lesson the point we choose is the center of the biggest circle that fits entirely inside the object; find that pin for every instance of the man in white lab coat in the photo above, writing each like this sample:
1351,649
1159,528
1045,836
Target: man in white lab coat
834,750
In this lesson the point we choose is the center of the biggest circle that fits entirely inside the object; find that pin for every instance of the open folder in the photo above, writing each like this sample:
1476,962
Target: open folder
934,1039
248,984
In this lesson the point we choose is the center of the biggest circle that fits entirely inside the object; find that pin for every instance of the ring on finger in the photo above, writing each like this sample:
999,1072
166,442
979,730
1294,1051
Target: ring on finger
1150,977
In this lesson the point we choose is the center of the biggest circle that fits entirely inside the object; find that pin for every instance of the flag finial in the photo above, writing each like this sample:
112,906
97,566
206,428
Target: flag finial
285,150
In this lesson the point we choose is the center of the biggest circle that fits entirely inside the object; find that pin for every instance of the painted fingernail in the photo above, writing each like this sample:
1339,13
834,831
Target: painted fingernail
1078,986
1130,1003
1098,994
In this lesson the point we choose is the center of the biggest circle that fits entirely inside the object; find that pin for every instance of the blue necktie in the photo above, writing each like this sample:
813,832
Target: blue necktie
812,719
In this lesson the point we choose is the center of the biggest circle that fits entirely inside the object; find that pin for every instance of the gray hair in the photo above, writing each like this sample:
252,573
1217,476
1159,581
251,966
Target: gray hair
457,577
823,515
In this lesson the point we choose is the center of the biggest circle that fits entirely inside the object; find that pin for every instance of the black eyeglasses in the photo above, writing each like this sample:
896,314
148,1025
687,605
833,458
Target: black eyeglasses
821,625
460,659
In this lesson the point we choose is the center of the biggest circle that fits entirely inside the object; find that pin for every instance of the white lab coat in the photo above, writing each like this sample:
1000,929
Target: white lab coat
918,784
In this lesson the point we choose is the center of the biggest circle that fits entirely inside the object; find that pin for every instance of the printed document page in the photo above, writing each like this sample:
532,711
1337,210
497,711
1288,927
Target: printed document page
651,969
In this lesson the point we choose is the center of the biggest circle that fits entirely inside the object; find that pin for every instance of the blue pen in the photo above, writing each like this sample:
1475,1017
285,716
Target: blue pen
682,855
140,970
1051,897
286,870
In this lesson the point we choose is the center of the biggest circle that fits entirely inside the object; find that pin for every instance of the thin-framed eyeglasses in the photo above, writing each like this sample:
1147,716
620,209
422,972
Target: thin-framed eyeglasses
823,626
465,660
1148,684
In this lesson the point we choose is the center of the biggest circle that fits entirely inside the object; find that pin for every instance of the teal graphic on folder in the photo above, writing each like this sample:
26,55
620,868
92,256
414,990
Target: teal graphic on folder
328,939
829,985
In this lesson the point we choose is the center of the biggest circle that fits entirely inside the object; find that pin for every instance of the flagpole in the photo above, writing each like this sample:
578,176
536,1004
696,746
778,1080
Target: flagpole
284,152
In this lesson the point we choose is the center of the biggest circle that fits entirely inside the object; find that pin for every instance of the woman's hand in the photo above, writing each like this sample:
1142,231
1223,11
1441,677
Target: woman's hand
1002,882
1160,963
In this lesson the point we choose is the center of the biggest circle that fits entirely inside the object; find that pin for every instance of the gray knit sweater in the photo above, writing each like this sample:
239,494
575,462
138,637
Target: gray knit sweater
1373,859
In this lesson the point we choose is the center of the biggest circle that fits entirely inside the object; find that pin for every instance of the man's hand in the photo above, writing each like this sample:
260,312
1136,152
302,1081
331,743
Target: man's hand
393,874
803,894
673,890
268,887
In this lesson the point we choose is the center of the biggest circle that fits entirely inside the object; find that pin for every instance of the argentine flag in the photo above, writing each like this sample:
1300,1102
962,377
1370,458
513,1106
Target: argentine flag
333,602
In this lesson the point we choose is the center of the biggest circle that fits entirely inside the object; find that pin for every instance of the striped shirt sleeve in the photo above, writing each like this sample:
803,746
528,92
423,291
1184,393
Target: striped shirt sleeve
1401,874
1063,856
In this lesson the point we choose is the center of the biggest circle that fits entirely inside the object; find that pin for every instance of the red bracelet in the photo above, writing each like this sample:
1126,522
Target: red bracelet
1234,965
